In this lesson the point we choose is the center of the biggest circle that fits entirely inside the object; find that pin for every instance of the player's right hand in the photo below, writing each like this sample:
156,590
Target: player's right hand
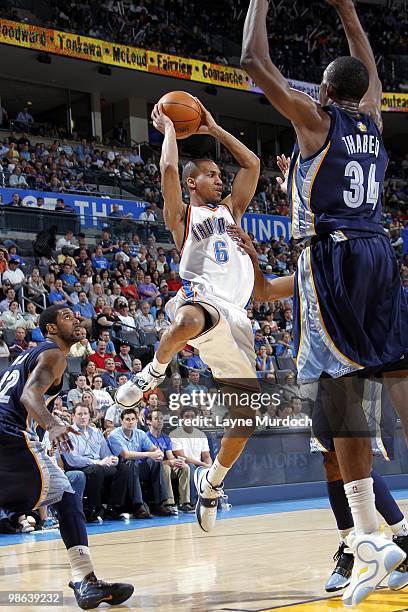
243,240
160,119
58,435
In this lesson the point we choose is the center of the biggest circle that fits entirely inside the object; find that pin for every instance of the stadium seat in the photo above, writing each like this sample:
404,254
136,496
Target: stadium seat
9,336
4,363
286,363
74,365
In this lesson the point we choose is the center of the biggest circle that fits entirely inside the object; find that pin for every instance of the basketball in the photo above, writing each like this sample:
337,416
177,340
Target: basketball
183,110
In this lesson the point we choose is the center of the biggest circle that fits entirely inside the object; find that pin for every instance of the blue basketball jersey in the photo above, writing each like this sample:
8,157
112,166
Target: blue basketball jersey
12,383
339,189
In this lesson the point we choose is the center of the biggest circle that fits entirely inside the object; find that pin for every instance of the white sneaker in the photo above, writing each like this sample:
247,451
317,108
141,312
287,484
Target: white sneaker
25,526
374,557
131,392
208,496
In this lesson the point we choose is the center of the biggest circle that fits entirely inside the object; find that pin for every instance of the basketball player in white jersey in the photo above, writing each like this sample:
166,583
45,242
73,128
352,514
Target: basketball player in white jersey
208,312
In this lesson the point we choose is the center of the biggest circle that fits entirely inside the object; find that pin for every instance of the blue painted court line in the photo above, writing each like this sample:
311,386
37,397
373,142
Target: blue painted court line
135,524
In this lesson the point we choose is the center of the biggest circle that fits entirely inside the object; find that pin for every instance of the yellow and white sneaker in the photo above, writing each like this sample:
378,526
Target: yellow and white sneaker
374,558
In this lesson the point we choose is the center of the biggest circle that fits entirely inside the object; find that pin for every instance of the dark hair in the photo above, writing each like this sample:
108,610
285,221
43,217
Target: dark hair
349,77
191,168
49,316
127,411
149,414
185,409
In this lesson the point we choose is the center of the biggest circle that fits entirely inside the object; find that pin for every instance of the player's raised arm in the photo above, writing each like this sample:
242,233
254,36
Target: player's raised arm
360,48
48,371
264,290
174,211
298,107
246,180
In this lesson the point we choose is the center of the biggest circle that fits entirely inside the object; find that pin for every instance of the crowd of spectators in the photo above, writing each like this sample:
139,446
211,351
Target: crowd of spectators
68,167
310,39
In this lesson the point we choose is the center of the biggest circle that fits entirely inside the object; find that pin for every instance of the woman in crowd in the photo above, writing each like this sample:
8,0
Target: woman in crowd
264,363
13,318
89,373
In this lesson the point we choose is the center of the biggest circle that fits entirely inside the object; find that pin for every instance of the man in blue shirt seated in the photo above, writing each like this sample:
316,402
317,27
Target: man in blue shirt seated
134,448
110,347
91,455
99,261
57,295
85,311
109,377
175,468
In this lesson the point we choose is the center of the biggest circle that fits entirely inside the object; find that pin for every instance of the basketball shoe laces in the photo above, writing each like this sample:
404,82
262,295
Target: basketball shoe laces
144,383
344,560
402,542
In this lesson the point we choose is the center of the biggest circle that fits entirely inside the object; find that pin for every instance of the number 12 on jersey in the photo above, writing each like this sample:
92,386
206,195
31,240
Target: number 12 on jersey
355,197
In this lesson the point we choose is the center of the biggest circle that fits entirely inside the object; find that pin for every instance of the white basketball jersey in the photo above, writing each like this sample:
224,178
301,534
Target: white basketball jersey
210,257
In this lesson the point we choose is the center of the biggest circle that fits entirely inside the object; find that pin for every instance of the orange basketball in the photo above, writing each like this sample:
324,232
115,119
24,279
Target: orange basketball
183,110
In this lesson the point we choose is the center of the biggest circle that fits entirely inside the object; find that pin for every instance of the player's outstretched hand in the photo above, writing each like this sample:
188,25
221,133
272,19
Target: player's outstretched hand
160,119
58,434
208,123
283,165
243,240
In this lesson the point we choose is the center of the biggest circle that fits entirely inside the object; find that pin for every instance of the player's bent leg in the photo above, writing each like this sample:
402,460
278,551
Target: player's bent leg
89,591
209,481
189,322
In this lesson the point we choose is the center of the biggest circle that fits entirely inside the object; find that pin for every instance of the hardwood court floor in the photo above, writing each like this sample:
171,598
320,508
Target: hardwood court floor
276,561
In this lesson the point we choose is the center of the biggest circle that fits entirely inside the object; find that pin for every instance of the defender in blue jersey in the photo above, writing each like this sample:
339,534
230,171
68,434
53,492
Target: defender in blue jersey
349,304
29,479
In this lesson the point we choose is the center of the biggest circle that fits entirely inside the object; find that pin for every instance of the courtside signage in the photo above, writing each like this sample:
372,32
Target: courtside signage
34,37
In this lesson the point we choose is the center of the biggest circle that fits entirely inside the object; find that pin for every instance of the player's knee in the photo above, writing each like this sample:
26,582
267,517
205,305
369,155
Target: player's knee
188,325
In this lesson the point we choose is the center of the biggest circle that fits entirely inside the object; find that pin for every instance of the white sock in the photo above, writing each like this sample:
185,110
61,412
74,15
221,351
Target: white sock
343,533
217,473
159,368
401,528
81,563
360,496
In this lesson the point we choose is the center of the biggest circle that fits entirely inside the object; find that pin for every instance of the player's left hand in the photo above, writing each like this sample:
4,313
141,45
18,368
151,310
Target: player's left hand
208,123
243,240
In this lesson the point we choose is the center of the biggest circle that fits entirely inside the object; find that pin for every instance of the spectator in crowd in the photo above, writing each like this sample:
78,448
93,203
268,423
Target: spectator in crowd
13,318
92,455
89,372
103,398
9,297
20,344
35,287
193,386
123,360
109,375
173,468
285,346
84,311
191,444
110,347
45,243
24,120
145,320
57,296
135,449
14,275
74,396
100,356
82,348
264,363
